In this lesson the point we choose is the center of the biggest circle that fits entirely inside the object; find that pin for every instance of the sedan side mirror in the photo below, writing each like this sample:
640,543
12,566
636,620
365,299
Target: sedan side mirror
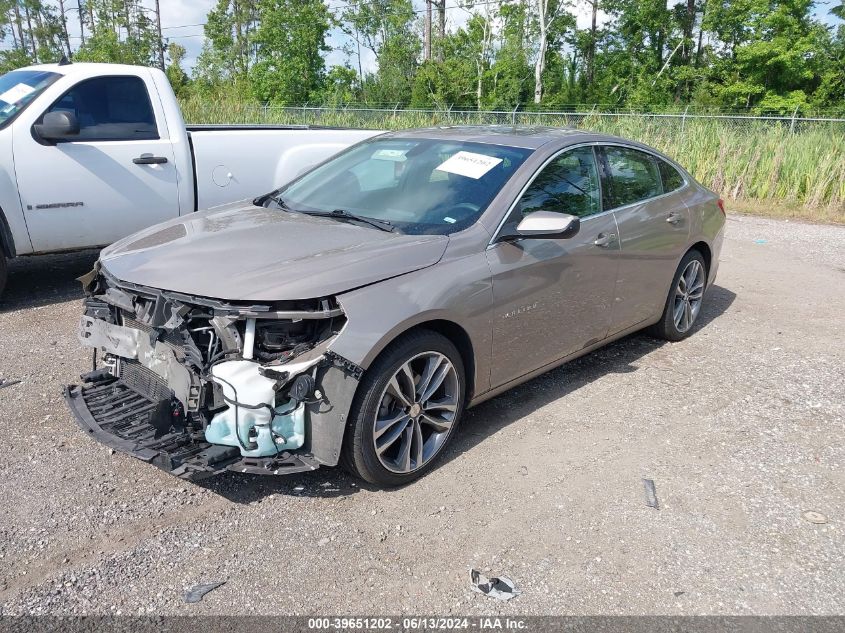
546,225
58,126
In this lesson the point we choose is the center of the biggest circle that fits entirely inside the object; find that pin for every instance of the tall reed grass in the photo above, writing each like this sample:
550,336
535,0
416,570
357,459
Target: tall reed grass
800,166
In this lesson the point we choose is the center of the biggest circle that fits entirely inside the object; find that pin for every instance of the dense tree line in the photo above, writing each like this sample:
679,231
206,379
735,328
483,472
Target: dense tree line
759,55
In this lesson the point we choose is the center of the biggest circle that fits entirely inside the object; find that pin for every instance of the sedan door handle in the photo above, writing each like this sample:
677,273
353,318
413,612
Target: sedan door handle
674,217
149,159
605,239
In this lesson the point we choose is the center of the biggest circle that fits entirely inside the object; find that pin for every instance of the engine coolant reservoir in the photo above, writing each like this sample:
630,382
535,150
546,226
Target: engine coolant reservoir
274,431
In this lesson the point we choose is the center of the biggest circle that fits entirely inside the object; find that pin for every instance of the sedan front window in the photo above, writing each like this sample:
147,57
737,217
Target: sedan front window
420,186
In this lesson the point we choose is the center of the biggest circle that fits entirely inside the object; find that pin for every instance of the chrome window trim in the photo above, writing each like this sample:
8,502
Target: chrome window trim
594,144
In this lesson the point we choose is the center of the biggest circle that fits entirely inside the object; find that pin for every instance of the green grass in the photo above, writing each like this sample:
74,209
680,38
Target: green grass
758,165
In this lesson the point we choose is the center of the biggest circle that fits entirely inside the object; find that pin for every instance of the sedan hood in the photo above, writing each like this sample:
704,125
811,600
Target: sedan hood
246,253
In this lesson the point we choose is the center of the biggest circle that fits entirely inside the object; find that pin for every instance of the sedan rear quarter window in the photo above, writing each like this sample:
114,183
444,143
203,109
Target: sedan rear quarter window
672,180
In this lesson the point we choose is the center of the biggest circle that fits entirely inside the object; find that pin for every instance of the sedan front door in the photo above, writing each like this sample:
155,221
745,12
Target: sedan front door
553,297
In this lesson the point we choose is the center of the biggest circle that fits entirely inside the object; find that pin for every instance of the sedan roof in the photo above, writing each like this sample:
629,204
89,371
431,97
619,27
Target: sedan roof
529,137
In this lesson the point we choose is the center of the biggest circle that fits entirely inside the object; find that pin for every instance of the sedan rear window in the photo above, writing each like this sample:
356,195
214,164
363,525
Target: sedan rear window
418,185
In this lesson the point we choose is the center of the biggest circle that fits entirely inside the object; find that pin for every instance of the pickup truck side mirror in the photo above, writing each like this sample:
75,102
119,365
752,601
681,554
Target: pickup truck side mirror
545,225
57,126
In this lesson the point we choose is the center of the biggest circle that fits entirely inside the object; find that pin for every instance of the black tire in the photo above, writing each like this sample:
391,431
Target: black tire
359,455
4,271
666,328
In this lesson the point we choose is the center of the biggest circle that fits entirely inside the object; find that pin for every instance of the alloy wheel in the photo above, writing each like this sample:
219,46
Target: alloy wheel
688,296
416,412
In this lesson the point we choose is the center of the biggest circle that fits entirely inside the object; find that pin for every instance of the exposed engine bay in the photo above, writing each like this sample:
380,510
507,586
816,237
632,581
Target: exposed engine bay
198,386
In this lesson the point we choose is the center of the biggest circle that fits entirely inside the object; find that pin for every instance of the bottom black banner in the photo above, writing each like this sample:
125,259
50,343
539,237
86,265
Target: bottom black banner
409,623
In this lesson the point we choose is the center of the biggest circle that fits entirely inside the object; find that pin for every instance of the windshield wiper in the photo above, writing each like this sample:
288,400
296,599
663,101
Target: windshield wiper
342,214
273,196
284,206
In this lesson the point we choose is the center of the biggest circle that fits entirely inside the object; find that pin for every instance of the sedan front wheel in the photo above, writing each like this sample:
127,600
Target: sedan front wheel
408,405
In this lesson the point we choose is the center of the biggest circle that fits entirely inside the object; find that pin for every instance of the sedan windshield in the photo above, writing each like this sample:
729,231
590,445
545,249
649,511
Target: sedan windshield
416,185
18,88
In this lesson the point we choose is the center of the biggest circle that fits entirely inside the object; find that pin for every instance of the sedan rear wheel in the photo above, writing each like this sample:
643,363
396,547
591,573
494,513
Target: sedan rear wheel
689,293
686,297
406,409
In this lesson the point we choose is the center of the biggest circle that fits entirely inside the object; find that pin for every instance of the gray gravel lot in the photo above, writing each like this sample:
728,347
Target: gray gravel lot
741,427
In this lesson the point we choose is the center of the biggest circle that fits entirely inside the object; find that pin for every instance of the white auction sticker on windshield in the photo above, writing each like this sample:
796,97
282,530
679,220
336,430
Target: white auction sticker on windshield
393,155
15,94
469,164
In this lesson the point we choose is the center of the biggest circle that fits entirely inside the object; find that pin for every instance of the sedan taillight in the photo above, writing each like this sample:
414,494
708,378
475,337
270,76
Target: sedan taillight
721,204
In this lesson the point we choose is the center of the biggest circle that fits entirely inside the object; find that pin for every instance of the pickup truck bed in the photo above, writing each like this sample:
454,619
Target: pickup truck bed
222,176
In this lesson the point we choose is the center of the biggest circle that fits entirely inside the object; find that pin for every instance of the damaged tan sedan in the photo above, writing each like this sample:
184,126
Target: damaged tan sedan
352,315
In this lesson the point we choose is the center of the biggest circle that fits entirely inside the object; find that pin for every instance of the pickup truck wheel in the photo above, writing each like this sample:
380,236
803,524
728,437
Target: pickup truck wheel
406,410
686,296
4,271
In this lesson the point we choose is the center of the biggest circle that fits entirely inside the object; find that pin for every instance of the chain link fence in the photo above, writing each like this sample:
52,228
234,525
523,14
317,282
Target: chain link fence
796,160
398,118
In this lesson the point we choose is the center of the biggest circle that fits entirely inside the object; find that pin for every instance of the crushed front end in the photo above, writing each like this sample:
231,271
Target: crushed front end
198,386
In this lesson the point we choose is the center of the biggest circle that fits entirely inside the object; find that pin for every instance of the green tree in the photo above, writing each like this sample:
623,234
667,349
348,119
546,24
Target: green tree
340,86
121,31
777,59
510,76
227,55
177,76
386,28
289,42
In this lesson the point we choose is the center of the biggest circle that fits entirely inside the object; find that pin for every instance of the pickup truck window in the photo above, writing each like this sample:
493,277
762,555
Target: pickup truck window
17,90
420,186
110,109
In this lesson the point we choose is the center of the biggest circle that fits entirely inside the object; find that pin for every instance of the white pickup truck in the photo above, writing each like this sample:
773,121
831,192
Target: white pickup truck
90,153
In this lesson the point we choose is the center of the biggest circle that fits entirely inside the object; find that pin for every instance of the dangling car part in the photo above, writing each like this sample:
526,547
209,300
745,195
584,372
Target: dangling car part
352,315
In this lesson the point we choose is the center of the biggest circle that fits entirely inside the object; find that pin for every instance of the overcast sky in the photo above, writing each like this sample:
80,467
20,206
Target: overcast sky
182,23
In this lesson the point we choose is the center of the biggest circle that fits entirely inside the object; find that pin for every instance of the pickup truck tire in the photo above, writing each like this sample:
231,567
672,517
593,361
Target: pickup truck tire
4,271
406,410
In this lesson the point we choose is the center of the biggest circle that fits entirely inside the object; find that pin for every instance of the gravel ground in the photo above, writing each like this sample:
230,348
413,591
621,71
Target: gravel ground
740,427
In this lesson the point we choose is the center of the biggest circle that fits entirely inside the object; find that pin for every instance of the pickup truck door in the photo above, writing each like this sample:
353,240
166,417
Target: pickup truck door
553,297
118,176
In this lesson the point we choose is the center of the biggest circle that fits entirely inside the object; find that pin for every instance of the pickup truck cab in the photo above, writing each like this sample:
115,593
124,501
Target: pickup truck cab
90,153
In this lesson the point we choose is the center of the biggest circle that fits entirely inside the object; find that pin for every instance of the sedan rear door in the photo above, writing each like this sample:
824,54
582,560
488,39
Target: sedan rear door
646,196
